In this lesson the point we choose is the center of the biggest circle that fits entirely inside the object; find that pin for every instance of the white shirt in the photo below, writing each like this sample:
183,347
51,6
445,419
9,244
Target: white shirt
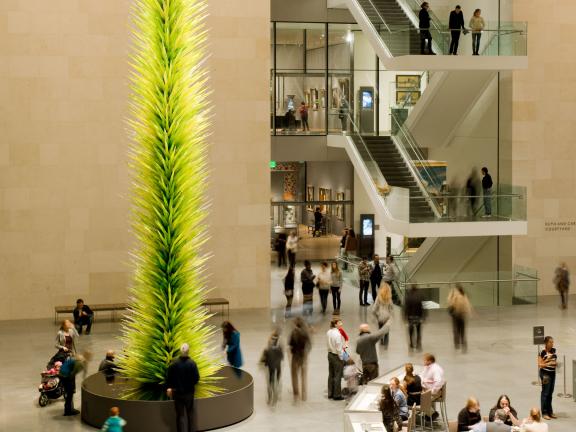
324,279
534,427
432,377
335,342
292,243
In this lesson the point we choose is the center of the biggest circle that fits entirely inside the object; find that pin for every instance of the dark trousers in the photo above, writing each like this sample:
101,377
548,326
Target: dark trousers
363,295
184,405
84,321
386,338
336,302
304,122
564,298
375,286
454,41
476,43
459,330
369,372
323,298
335,370
69,386
425,36
292,258
281,257
273,385
548,379
414,333
289,298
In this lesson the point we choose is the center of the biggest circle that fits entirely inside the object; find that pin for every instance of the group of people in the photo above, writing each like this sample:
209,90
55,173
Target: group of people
456,27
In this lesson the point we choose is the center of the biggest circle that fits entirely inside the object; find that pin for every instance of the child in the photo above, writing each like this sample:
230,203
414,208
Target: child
114,423
351,377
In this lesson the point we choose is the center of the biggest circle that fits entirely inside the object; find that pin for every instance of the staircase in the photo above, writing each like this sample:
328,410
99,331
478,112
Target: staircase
405,38
396,172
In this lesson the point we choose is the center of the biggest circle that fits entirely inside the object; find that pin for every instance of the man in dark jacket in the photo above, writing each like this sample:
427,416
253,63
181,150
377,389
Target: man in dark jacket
68,371
272,357
300,344
366,349
456,25
83,316
487,192
414,314
424,26
107,366
181,381
375,276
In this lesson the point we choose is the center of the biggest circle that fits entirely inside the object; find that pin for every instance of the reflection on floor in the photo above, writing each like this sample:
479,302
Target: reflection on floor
500,359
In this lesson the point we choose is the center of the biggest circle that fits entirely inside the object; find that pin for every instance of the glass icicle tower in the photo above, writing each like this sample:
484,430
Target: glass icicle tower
169,108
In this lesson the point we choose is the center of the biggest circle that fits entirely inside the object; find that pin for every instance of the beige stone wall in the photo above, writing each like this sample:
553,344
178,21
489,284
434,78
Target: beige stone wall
544,137
63,174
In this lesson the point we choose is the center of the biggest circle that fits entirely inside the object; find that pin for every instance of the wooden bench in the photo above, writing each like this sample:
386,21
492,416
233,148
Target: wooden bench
109,307
218,301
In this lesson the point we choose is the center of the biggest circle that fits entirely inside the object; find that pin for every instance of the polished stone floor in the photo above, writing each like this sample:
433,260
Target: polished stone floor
500,359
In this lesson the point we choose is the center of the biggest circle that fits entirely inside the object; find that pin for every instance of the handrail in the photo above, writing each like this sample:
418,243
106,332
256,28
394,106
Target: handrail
380,16
474,281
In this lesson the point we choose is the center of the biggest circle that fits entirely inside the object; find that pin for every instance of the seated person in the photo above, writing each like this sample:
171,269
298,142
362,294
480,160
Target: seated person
83,316
107,366
412,385
399,398
432,378
497,425
469,416
534,422
504,403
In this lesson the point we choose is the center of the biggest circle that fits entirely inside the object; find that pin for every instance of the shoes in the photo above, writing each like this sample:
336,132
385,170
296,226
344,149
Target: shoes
435,415
337,398
72,413
487,216
546,417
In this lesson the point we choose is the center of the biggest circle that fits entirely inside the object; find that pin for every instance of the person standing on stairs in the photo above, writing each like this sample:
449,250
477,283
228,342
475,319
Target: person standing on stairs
456,26
424,26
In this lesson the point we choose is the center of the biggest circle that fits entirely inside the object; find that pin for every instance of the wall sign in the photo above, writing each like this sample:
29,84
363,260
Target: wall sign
538,334
560,226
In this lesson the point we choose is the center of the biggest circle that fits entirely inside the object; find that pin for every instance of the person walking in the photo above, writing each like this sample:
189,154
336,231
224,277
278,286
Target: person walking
424,26
323,282
459,308
547,362
307,279
471,193
456,26
292,248
389,276
487,192
414,315
68,371
280,247
476,25
181,379
300,345
335,343
303,110
272,357
366,349
364,272
231,343
375,276
382,310
336,287
351,243
562,283
114,423
289,290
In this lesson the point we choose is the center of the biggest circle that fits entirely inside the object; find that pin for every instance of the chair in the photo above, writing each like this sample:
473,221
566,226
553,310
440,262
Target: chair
442,400
425,409
410,425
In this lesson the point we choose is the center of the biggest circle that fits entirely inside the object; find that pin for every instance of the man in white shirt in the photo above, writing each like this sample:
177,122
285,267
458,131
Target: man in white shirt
335,361
432,377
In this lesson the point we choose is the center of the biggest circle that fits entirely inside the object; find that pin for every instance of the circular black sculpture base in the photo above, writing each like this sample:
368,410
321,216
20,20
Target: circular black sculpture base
234,404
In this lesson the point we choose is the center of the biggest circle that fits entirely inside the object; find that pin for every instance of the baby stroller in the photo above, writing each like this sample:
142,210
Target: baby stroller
50,386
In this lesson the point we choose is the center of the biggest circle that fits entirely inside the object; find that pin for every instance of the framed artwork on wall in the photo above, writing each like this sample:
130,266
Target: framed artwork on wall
340,207
322,98
335,98
314,97
410,82
310,197
325,194
407,97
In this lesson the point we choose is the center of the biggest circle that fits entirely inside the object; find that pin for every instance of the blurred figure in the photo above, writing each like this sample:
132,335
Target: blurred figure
375,276
562,283
336,287
389,409
335,344
382,310
323,282
68,371
181,379
289,290
366,349
107,366
300,345
280,246
307,278
364,272
351,243
487,192
272,357
389,276
114,423
459,309
471,192
413,385
292,248
497,423
469,415
414,314
351,377
534,423
303,111
231,343
317,222
343,248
